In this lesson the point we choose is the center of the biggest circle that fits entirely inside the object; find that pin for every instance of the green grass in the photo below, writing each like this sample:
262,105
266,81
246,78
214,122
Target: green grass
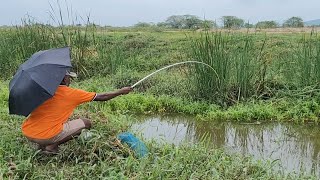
101,157
248,65
261,77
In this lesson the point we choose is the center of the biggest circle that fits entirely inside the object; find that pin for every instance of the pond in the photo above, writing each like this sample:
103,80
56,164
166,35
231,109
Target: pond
296,148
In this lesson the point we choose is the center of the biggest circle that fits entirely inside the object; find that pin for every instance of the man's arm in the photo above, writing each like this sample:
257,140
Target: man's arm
109,95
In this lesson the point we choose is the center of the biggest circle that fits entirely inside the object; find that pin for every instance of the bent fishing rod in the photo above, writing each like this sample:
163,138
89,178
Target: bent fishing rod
175,64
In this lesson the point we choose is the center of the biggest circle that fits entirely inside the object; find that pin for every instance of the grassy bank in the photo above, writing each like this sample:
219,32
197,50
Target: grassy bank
102,156
273,77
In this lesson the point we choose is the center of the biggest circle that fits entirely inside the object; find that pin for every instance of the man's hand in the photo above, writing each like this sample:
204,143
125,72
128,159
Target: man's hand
125,90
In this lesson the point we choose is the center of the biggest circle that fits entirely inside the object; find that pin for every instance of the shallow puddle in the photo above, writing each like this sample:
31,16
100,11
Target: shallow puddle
295,147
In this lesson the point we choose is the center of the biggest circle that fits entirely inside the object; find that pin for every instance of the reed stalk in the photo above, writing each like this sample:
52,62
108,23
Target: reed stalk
237,61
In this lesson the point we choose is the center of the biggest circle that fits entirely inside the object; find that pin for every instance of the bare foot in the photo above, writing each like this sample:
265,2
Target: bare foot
41,147
51,149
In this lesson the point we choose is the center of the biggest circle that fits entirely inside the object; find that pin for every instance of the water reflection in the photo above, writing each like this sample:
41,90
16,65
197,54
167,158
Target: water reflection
295,147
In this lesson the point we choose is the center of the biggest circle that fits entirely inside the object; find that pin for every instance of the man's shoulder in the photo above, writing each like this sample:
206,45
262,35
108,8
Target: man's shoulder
71,90
67,88
75,94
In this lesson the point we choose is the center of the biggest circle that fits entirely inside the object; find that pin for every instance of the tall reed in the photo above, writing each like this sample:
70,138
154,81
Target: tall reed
237,61
20,42
306,58
250,66
80,38
111,55
317,63
7,62
211,48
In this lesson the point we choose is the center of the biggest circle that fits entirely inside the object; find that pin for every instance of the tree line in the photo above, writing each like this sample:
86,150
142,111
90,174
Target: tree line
228,22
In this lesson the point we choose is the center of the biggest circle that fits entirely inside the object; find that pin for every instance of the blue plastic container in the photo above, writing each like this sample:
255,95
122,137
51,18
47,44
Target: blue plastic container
134,143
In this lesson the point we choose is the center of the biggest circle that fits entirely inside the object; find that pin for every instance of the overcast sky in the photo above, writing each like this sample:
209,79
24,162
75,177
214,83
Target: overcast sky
129,12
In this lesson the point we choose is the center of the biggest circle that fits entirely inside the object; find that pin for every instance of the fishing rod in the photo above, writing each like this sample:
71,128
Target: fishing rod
175,64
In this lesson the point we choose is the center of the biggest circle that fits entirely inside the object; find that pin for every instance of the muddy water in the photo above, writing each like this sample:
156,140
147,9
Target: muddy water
296,148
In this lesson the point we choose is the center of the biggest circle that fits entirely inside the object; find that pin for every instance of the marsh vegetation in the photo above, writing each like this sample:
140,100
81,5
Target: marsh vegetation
259,78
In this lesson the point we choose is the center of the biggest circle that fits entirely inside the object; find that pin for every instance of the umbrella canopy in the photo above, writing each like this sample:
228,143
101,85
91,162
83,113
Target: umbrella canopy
37,80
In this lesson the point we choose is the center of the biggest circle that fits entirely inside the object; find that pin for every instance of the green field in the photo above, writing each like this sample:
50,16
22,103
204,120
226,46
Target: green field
258,77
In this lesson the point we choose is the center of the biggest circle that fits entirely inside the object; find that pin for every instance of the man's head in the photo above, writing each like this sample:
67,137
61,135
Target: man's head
67,78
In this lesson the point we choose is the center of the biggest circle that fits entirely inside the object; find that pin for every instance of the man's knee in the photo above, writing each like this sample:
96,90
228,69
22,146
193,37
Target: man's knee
87,123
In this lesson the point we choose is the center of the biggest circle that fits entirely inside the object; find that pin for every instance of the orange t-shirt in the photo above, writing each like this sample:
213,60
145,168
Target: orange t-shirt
47,120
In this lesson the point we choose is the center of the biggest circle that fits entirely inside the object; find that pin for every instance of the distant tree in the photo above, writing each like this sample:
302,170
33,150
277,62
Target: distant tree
162,24
175,21
293,22
232,22
248,25
143,24
208,24
183,22
266,24
191,22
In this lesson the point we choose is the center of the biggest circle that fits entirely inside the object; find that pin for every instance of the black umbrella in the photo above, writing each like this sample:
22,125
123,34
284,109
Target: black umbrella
37,79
